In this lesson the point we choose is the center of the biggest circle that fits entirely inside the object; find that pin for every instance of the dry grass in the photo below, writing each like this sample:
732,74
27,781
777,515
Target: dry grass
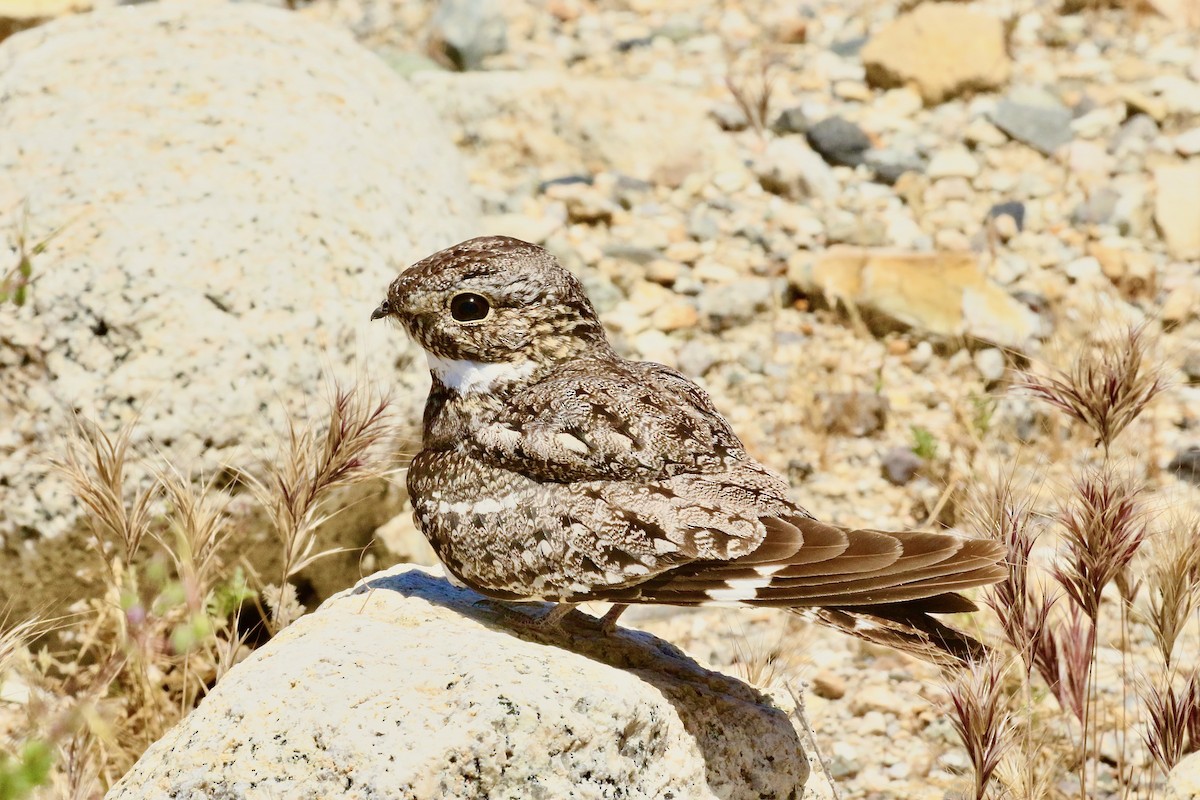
312,466
131,663
1105,388
1056,613
752,88
981,717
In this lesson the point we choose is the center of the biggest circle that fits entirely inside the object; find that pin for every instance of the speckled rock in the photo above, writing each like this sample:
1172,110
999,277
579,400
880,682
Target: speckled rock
407,687
18,15
1184,781
555,121
236,186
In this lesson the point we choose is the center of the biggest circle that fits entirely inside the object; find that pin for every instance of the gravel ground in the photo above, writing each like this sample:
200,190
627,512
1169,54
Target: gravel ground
1059,151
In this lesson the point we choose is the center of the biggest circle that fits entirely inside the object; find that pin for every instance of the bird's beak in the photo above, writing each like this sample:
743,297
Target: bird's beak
383,310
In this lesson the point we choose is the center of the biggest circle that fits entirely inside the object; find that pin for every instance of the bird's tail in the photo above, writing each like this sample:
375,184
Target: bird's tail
904,626
874,585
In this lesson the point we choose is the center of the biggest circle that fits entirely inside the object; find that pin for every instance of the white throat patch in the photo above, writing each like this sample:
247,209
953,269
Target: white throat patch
468,377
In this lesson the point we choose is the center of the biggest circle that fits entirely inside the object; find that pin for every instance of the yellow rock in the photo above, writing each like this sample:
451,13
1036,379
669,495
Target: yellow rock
940,49
945,294
17,15
1175,209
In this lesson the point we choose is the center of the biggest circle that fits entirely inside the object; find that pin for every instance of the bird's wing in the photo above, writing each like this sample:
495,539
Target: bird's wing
609,420
875,585
799,561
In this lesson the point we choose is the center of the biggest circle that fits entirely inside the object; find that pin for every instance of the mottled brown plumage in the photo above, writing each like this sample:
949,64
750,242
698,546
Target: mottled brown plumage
552,469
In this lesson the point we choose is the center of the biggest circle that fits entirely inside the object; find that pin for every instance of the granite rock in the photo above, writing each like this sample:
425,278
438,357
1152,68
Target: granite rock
235,187
407,687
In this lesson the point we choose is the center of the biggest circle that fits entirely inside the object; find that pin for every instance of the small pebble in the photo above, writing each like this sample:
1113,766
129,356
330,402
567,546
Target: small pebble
991,364
900,465
839,141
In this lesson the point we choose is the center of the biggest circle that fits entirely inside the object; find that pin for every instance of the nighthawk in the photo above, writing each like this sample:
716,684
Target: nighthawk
553,469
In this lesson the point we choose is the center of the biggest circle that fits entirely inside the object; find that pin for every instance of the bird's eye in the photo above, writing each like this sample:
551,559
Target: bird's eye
468,307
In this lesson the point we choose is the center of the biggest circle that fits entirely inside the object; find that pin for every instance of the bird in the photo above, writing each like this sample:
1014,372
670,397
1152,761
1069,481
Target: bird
553,469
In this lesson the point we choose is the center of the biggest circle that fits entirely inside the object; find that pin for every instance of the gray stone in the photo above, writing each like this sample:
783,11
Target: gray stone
991,363
1134,135
1044,127
839,141
790,120
729,116
216,268
888,164
1013,209
842,768
468,31
696,358
900,465
409,688
1186,465
702,225
738,303
1098,208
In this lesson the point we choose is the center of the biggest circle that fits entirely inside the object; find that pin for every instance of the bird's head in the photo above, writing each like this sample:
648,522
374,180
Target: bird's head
497,303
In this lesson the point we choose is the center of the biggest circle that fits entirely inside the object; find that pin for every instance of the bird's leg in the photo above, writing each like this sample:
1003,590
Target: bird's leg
508,612
608,623
554,617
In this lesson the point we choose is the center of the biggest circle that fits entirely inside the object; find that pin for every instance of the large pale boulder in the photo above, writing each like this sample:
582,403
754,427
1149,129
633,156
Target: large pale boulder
568,125
407,687
235,187
1184,781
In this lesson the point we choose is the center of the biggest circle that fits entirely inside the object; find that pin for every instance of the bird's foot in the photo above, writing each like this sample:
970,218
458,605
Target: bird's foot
608,623
551,620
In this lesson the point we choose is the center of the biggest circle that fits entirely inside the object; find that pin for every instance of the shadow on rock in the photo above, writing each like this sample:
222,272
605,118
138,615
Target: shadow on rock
707,703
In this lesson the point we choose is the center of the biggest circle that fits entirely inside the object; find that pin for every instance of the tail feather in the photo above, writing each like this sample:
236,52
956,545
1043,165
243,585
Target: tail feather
874,585
900,627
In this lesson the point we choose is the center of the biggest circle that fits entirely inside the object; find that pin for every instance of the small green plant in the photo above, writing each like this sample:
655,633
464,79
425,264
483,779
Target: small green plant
983,408
14,286
26,770
924,444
